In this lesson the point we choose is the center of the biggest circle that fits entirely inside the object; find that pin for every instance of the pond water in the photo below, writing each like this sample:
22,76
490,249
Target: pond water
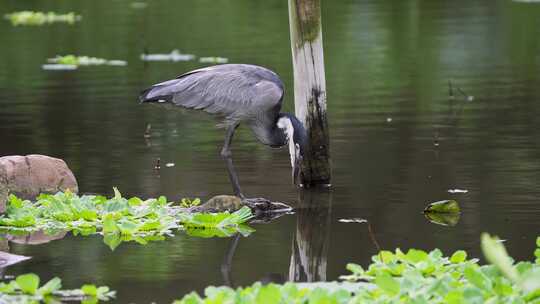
388,66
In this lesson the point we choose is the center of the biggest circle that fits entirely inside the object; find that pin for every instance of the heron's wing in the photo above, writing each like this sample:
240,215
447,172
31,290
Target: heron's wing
237,92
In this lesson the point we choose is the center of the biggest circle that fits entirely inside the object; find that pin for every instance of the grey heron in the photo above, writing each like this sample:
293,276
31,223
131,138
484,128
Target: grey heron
239,93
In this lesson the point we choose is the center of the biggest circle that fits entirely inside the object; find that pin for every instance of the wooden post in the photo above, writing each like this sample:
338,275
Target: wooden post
310,88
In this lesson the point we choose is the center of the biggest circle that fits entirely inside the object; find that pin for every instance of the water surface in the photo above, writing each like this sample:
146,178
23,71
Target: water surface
388,66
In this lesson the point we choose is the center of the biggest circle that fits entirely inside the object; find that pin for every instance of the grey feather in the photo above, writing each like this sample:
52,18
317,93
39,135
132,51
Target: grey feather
238,92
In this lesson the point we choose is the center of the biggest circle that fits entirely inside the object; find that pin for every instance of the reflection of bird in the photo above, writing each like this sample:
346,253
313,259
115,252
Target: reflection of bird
238,93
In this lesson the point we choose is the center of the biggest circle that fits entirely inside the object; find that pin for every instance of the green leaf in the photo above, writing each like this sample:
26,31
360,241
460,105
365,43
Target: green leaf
496,254
355,268
454,297
53,285
15,202
268,294
477,278
89,290
28,283
135,201
387,284
109,224
112,240
386,256
414,256
127,227
446,206
8,288
458,257
117,194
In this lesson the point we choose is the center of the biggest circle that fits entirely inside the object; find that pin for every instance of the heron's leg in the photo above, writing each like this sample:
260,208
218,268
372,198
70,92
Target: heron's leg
227,156
227,261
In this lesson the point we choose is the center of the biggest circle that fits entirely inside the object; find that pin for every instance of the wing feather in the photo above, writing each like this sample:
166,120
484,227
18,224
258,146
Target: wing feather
235,91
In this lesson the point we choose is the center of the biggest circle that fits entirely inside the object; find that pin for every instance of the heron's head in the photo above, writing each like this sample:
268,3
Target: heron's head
296,138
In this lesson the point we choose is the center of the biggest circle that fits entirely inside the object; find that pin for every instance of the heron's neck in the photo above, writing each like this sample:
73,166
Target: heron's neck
286,127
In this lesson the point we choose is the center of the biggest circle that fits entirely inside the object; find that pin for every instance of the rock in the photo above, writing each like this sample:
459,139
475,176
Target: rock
28,176
35,238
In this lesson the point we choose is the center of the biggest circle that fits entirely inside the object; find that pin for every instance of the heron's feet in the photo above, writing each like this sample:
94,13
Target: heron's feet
262,208
263,205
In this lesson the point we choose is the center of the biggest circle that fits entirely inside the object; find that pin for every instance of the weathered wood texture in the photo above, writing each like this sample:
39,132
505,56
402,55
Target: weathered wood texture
310,88
310,242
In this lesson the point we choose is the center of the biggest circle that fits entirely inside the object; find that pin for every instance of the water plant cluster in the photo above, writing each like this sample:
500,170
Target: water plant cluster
26,288
176,55
412,277
118,219
40,18
72,61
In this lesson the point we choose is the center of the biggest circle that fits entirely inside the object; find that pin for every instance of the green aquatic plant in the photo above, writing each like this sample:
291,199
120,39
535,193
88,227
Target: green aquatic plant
446,212
213,60
187,203
415,276
117,218
72,62
41,18
26,288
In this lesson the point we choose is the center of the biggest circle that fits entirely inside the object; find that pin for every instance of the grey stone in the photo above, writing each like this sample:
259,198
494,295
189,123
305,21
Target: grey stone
28,176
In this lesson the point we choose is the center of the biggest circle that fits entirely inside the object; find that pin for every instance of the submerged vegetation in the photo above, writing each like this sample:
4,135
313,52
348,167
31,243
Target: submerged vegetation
26,288
118,219
412,277
41,18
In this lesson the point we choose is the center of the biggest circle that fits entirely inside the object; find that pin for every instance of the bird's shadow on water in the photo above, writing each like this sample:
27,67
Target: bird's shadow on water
310,241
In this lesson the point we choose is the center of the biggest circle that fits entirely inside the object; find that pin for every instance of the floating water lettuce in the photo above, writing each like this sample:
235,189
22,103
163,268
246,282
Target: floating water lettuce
26,288
415,276
174,56
41,18
118,219
72,62
213,60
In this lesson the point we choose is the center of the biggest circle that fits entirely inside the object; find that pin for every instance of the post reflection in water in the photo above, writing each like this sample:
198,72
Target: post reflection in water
310,241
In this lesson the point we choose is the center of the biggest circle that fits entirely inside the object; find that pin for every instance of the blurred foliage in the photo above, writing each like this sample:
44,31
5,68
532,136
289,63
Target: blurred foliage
26,288
412,277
